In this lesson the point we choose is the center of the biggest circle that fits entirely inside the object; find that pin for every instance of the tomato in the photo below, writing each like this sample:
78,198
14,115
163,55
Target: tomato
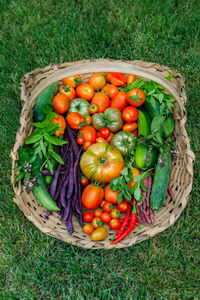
97,81
88,228
68,91
86,145
108,206
115,213
101,140
102,203
111,195
119,101
97,213
101,162
101,100
135,132
88,216
84,181
129,126
85,91
117,79
93,109
74,119
60,103
97,222
105,217
60,120
74,81
134,172
88,119
111,90
92,196
104,132
114,224
136,97
80,140
130,78
121,220
88,133
110,137
123,206
130,114
99,234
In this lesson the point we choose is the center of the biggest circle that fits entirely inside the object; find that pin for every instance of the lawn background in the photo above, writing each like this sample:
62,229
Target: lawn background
38,33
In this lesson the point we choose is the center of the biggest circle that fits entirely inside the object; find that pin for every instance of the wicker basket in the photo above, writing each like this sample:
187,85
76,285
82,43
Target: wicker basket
33,83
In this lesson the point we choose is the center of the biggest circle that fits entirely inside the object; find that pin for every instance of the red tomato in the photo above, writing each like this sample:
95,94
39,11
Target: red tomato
135,132
129,126
111,90
102,101
60,103
88,216
110,195
92,196
88,228
97,81
130,78
119,101
115,213
97,222
117,79
101,140
134,172
114,224
121,220
130,114
93,109
123,206
97,213
136,97
80,140
73,81
105,217
108,206
88,119
74,119
86,145
104,132
84,181
68,91
88,133
60,120
85,91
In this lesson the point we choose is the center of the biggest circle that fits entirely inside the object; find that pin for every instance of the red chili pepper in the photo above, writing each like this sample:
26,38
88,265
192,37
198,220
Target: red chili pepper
131,226
124,223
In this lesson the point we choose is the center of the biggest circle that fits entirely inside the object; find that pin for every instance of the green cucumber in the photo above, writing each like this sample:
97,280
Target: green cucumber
161,180
144,123
43,101
145,156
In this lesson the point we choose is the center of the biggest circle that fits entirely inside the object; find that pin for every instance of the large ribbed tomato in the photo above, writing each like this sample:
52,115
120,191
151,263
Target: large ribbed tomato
101,162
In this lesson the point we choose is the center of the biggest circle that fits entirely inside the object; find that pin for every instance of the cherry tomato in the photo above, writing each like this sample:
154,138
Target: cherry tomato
98,212
102,203
74,119
136,97
110,195
135,132
73,81
114,224
86,145
134,172
88,216
101,140
84,181
88,133
68,91
115,213
130,114
92,196
130,78
110,137
80,140
121,220
123,206
60,120
104,132
105,217
61,103
108,206
119,101
97,222
85,91
93,109
111,90
102,101
129,126
88,119
117,79
97,81
88,228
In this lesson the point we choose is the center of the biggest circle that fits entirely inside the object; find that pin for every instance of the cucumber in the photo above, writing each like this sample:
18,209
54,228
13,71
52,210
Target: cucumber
168,127
144,123
161,180
145,156
43,101
152,105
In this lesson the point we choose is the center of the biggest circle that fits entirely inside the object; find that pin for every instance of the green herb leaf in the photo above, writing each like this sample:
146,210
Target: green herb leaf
19,168
137,194
54,140
169,77
157,122
143,187
33,138
57,157
119,198
19,176
137,178
23,156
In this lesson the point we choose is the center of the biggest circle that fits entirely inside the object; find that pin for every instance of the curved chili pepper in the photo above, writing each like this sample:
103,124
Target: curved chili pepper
124,223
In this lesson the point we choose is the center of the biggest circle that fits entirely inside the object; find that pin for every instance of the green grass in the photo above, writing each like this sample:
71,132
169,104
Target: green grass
38,33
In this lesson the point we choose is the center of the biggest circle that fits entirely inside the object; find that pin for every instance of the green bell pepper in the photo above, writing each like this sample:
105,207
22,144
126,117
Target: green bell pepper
80,106
124,141
111,118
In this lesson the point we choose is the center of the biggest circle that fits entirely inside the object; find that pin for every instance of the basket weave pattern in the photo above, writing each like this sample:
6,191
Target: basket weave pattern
182,169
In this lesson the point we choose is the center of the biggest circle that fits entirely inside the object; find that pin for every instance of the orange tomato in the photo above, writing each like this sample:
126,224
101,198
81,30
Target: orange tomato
110,195
73,81
85,91
92,196
134,172
68,91
114,224
87,144
105,217
80,140
98,212
110,137
97,81
136,97
93,109
60,103
117,79
111,90
97,222
88,228
129,126
74,119
88,133
88,119
61,122
119,101
115,213
108,206
130,114
102,101
130,78
101,140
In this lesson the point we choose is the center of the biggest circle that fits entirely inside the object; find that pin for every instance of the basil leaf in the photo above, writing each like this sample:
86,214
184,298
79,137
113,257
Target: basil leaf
119,197
137,178
33,138
157,122
134,188
54,140
19,176
19,168
159,137
137,194
57,157
124,172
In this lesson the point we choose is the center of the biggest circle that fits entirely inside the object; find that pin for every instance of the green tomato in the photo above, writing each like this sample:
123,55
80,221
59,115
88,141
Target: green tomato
124,141
111,118
80,106
48,179
145,156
